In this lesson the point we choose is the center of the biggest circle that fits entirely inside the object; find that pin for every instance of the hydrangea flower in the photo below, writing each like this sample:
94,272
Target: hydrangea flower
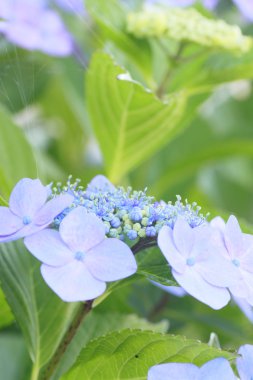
79,260
33,26
244,363
29,211
238,248
197,263
218,368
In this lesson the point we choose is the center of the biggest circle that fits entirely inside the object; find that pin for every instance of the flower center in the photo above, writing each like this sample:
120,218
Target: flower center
190,261
27,220
79,255
236,262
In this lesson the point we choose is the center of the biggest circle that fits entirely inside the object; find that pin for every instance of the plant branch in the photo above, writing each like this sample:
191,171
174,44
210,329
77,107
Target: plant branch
84,309
143,244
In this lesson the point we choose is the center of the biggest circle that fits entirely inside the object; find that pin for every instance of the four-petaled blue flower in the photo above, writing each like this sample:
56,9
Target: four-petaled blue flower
29,211
197,263
79,260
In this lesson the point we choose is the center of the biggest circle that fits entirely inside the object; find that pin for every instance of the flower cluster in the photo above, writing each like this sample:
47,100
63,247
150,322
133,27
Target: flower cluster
244,6
33,25
128,214
218,368
82,237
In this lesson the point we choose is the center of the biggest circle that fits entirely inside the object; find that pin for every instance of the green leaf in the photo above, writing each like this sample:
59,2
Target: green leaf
97,324
16,155
129,121
6,316
42,316
129,354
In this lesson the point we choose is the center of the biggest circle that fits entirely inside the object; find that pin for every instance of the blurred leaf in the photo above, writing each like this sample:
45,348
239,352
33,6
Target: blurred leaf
16,155
42,316
6,316
14,358
129,354
98,324
110,15
129,121
22,78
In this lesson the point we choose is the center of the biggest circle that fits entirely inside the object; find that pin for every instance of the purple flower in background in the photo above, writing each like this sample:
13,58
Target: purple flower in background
79,260
214,369
29,211
197,263
244,363
100,183
33,26
238,248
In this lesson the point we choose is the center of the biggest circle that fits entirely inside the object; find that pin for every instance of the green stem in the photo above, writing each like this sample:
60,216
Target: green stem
35,372
67,339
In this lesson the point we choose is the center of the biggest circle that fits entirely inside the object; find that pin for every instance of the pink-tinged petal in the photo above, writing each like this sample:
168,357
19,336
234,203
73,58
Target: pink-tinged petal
218,368
217,270
183,237
82,231
244,363
111,260
53,208
218,223
100,182
47,246
9,223
173,371
166,244
72,282
27,197
197,287
233,237
23,232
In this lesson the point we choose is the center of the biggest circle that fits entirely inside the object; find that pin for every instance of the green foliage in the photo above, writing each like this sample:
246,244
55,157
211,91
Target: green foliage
16,156
129,121
129,354
42,316
6,316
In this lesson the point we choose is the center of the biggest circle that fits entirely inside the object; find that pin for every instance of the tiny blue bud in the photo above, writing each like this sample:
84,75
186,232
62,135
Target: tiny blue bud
136,214
79,256
236,262
190,261
132,235
150,231
26,220
115,222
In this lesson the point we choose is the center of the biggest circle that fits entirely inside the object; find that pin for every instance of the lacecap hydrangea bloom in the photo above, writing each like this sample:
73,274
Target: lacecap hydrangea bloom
34,25
218,368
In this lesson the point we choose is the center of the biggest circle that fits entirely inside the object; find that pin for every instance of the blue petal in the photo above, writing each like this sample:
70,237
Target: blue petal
245,362
218,368
173,371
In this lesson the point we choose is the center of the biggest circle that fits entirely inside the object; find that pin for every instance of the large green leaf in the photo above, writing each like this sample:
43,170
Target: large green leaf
98,324
129,354
42,316
130,122
16,155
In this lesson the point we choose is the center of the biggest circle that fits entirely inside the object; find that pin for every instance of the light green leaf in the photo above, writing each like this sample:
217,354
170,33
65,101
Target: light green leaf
16,155
129,121
42,316
129,354
97,324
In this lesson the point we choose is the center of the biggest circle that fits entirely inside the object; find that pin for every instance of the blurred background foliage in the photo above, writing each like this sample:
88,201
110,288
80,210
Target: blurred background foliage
61,116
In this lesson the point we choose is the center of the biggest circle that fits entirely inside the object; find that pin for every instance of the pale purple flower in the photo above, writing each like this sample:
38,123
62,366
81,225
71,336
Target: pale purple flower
79,260
33,26
75,6
244,363
197,263
245,307
29,211
100,183
238,248
218,368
